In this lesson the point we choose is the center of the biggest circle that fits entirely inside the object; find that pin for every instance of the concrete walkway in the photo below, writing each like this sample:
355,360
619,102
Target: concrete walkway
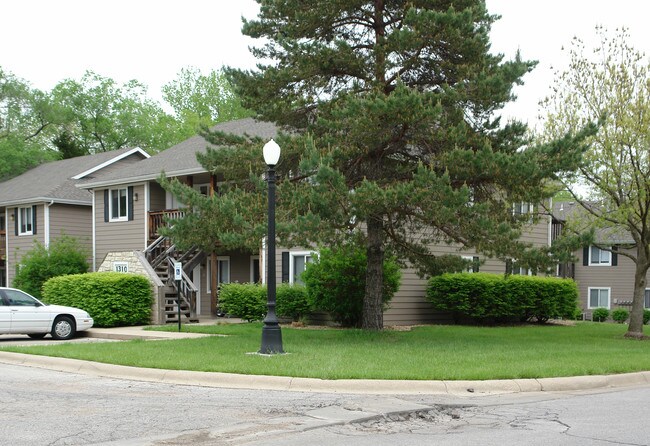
230,380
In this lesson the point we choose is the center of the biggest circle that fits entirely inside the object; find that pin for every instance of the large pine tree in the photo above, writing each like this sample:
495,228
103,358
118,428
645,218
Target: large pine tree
390,107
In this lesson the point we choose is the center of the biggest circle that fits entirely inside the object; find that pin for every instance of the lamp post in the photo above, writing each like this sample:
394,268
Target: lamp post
271,333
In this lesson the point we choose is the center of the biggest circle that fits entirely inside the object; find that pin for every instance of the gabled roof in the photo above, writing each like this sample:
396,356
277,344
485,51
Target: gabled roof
180,159
55,181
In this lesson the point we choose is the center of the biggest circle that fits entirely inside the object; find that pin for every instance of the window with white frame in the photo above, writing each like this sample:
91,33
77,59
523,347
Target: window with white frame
599,257
297,265
646,298
118,204
522,208
25,221
224,271
599,297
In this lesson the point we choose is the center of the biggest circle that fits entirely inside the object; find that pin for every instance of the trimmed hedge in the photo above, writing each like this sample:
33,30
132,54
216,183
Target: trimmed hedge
243,300
248,301
112,299
492,298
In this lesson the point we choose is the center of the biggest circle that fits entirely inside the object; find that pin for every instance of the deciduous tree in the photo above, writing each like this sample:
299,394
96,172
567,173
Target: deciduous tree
611,85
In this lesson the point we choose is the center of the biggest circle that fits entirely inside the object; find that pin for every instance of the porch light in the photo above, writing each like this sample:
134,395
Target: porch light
271,332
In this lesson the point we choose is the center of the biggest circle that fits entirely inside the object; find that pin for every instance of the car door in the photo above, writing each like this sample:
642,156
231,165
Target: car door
27,314
5,314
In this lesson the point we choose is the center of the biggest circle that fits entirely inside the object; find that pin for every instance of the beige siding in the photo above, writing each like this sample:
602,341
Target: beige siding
74,221
119,235
156,197
620,280
19,245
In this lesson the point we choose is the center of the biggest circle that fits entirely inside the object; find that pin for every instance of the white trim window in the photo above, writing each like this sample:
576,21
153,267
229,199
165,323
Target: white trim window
298,262
224,269
599,297
223,265
522,208
26,221
646,299
118,204
599,257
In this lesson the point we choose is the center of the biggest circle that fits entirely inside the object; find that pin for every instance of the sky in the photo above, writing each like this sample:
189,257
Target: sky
46,41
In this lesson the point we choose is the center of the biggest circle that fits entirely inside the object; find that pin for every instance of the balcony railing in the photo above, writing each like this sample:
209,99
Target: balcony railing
157,220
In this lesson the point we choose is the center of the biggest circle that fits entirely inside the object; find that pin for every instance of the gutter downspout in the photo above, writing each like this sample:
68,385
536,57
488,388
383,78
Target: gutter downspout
46,217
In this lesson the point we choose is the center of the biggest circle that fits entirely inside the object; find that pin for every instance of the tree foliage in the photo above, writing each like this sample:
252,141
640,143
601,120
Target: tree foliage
611,85
24,119
97,114
201,101
392,131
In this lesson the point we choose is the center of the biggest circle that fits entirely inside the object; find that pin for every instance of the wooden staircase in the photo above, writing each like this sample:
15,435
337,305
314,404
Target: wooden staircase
161,255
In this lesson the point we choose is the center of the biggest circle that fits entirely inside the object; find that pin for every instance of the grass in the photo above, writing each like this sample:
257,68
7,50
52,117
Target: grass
425,353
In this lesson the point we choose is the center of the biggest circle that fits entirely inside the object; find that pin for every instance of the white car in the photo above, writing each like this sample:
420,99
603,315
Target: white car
21,313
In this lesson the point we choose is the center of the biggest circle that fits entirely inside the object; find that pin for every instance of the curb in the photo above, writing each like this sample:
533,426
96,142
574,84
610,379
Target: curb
283,383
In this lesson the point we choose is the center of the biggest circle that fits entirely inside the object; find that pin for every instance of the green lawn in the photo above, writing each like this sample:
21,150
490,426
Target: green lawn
430,352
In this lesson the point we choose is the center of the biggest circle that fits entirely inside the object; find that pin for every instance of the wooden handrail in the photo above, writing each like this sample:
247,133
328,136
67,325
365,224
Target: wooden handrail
157,219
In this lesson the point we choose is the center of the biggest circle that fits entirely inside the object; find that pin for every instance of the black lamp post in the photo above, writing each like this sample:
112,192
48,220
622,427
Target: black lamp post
271,333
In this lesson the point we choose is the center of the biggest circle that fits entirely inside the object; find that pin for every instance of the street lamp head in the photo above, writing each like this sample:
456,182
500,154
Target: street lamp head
271,153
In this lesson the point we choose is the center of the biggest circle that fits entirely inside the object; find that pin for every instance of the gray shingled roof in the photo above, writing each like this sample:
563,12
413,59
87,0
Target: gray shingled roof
567,210
181,158
53,181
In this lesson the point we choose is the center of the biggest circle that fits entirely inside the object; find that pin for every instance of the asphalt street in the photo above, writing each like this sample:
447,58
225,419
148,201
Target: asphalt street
46,407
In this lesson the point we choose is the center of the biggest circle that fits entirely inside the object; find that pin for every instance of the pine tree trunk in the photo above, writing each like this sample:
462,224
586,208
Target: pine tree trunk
373,316
635,327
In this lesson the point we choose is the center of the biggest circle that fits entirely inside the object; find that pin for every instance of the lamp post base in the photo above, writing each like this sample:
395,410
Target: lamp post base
271,340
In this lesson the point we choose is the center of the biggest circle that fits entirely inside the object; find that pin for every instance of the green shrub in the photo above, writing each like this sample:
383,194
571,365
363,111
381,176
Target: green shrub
646,316
620,315
243,300
336,283
492,298
112,299
64,256
291,301
600,315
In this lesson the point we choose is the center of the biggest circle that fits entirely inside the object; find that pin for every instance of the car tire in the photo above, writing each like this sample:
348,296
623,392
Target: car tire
63,328
37,335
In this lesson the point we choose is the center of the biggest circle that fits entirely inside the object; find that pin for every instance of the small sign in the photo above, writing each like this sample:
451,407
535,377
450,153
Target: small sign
178,271
121,267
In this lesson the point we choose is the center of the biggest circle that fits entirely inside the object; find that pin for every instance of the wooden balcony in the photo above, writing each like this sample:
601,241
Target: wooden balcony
157,219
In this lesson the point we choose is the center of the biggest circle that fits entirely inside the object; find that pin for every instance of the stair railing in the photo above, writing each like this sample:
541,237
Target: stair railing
185,289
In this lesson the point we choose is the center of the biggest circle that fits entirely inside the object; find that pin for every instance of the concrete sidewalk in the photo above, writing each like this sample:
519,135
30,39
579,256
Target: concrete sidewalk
379,387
